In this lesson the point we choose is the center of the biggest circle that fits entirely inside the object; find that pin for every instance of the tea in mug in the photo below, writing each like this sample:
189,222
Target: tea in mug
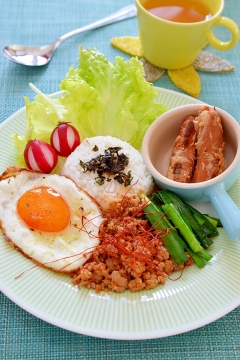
183,11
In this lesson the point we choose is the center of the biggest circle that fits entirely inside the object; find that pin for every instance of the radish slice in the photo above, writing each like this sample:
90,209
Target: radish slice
40,156
64,139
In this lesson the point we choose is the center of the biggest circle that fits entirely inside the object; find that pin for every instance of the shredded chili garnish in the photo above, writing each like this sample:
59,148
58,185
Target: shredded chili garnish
131,254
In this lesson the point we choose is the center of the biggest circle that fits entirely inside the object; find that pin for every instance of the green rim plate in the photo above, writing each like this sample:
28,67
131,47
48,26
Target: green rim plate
196,299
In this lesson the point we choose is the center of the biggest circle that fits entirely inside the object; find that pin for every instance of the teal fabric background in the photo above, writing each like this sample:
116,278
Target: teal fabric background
38,22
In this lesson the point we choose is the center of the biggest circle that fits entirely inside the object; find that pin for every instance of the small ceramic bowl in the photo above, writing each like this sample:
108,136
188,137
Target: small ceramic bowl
156,151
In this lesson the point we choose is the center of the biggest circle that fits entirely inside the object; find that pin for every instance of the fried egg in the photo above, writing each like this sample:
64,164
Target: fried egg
48,218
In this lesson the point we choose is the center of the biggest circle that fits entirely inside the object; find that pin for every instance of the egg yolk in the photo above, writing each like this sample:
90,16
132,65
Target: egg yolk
43,209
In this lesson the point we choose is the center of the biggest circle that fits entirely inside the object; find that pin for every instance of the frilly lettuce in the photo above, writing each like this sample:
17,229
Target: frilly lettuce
99,98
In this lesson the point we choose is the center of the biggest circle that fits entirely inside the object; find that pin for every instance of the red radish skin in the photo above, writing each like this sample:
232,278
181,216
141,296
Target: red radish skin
40,156
64,139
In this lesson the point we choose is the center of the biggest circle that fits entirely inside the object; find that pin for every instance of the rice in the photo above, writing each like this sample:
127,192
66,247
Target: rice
109,191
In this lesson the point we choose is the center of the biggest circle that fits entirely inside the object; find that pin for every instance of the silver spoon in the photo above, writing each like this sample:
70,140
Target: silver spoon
41,55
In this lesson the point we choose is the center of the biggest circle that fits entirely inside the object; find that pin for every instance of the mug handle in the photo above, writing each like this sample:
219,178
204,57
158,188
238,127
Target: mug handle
232,27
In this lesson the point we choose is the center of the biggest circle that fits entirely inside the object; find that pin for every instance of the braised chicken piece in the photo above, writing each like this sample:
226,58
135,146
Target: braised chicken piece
197,153
210,145
183,157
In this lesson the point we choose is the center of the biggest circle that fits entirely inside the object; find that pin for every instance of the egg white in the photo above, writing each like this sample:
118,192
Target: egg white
62,251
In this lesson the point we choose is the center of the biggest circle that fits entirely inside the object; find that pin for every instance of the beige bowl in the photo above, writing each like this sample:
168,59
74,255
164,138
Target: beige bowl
156,151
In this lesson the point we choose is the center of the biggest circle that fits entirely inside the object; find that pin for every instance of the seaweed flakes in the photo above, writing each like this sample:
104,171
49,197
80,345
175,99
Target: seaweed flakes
95,148
111,163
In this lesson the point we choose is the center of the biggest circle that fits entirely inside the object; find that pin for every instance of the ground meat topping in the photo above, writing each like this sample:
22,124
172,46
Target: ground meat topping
111,163
130,255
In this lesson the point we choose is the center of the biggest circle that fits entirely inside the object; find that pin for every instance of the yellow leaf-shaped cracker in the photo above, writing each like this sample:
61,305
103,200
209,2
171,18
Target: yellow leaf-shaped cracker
128,44
152,72
187,80
211,63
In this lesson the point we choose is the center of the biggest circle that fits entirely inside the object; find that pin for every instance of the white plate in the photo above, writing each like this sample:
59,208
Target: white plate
197,298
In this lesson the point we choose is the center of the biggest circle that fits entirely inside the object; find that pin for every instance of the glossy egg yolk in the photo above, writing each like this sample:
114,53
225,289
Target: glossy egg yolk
43,209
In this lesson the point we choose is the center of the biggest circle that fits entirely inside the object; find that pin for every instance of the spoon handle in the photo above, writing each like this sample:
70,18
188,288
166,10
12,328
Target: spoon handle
124,13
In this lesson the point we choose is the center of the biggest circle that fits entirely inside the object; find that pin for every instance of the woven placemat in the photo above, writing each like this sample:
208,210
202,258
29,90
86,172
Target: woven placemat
22,336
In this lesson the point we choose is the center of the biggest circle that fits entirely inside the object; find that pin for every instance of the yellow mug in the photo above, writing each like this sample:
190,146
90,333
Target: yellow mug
175,45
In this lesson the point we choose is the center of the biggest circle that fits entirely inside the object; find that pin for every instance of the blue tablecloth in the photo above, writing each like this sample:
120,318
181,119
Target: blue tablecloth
38,22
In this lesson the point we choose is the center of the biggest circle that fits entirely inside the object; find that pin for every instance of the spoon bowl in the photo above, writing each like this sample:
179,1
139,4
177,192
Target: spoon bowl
41,55
29,55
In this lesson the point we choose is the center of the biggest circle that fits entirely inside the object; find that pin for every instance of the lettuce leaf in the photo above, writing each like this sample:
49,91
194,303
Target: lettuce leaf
113,97
100,98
